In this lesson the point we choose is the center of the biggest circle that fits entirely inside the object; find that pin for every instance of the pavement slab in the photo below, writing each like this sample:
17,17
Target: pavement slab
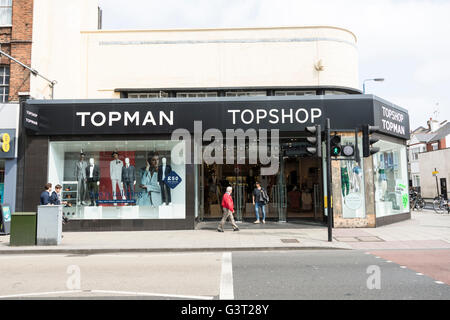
425,230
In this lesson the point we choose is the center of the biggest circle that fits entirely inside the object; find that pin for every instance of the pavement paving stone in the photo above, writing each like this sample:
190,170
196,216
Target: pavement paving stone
424,230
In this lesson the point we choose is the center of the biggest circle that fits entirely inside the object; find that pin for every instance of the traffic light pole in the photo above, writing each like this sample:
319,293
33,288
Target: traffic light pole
329,181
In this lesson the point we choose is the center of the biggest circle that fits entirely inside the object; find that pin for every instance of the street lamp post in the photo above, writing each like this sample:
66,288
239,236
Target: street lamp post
375,79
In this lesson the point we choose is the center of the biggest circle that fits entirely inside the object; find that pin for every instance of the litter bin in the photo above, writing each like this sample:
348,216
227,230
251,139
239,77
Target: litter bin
23,229
49,225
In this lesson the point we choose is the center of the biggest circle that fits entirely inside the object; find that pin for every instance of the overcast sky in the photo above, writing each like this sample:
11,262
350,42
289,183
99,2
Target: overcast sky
407,42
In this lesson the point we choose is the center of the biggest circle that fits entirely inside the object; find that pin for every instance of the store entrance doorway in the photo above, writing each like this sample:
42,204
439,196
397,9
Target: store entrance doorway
295,191
303,180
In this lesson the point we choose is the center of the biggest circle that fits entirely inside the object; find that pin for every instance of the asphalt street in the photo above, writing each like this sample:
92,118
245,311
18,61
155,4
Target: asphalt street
266,275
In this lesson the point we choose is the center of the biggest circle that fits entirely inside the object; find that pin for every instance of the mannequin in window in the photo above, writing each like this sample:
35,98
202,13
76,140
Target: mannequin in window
345,181
163,171
80,175
115,170
93,180
356,178
382,177
129,179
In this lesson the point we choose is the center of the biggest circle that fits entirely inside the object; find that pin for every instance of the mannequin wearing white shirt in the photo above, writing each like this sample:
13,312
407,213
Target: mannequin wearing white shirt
115,170
93,180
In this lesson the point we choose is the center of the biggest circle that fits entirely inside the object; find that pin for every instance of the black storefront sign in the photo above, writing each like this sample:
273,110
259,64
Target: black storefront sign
31,117
391,119
163,116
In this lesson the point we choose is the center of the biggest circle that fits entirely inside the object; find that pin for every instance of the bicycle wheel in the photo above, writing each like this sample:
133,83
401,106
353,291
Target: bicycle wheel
420,204
438,206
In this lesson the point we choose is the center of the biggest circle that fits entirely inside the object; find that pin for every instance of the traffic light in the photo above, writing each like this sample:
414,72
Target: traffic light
335,145
316,141
368,141
348,150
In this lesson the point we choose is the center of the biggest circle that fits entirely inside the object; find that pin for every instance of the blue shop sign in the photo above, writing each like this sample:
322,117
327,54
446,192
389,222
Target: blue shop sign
172,180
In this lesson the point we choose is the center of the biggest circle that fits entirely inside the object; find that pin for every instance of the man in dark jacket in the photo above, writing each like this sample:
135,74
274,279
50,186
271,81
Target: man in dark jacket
45,195
55,199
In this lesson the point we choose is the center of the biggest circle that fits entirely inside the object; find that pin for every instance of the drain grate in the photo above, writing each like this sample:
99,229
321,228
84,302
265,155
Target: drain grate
289,240
359,239
370,239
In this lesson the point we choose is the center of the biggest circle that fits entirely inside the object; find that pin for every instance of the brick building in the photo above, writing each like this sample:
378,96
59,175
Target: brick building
16,26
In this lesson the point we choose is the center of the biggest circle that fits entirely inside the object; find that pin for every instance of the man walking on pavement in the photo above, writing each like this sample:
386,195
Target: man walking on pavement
228,210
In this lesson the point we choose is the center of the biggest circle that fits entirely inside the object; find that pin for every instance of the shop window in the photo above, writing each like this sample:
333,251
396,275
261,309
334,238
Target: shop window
391,179
352,185
5,12
4,84
119,179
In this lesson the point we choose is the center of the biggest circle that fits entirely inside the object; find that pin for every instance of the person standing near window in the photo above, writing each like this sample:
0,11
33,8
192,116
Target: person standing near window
260,199
55,199
45,195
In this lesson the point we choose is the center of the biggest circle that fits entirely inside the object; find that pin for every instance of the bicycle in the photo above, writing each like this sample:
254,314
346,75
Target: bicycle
416,201
440,205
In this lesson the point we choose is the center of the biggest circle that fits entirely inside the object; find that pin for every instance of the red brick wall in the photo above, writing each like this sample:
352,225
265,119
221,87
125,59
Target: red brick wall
17,41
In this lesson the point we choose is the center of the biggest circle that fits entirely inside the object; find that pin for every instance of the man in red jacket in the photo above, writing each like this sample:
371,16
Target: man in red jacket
228,210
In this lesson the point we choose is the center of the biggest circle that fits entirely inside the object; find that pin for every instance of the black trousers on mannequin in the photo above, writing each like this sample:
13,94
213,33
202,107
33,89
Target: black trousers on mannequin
93,191
165,193
129,189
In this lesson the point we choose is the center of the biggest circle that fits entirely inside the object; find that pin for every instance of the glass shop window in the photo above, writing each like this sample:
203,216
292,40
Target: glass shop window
391,179
352,184
119,179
